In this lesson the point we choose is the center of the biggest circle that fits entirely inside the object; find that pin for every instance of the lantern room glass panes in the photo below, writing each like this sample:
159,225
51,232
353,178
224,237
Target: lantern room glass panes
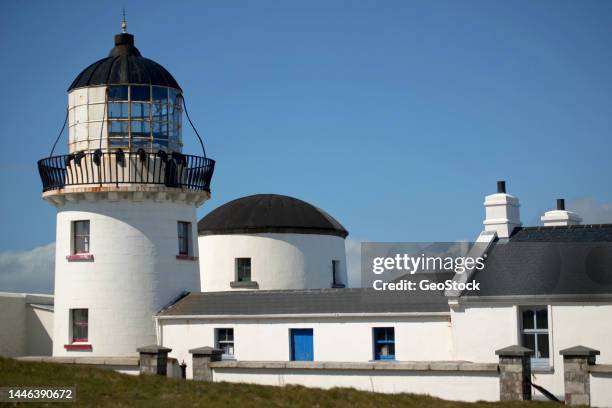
126,117
147,117
118,93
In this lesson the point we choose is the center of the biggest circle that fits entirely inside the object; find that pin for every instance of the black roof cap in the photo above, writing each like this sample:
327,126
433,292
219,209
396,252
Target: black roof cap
262,213
124,65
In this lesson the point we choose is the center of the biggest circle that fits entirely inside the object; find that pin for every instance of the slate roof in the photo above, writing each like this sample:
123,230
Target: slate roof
124,65
312,301
262,213
572,260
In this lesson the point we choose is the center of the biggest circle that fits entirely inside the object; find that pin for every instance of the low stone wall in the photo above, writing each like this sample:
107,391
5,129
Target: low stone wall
601,385
457,380
125,365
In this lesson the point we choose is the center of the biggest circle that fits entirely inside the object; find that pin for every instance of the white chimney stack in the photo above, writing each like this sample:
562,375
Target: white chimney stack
501,212
560,216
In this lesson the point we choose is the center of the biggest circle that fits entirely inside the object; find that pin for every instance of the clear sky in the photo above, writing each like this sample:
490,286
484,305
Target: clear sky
396,117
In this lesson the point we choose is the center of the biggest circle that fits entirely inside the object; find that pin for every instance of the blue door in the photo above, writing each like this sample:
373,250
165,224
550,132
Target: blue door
301,345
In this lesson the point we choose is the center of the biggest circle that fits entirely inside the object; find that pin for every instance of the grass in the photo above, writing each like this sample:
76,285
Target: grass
101,388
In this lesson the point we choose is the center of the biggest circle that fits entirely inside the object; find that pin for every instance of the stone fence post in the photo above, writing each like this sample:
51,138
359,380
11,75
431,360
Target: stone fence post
514,373
153,359
202,357
576,377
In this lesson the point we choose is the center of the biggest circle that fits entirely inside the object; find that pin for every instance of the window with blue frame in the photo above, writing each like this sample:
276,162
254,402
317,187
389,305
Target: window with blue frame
301,345
534,334
384,343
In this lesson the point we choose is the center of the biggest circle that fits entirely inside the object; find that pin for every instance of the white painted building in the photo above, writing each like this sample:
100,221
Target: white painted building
275,241
264,277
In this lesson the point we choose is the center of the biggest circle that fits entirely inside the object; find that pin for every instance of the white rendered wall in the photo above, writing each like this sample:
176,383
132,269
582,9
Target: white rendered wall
334,338
452,386
601,390
12,325
39,324
573,325
480,330
133,275
23,330
278,261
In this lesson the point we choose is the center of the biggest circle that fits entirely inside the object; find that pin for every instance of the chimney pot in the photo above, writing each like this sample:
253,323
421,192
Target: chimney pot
501,212
560,217
560,204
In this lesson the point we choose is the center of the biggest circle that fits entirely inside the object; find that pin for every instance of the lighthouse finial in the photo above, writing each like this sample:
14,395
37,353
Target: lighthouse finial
123,23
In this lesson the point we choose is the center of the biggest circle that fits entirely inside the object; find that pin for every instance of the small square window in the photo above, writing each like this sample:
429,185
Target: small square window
80,237
243,269
80,324
184,238
225,341
384,343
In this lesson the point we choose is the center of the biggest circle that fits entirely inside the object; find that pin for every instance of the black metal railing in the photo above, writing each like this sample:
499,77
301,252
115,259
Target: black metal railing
119,167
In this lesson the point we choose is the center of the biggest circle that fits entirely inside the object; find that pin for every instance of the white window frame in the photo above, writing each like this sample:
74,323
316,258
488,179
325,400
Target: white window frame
73,237
237,275
218,342
537,362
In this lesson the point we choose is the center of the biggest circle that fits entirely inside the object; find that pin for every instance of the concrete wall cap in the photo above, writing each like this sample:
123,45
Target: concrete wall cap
153,349
206,351
579,351
515,350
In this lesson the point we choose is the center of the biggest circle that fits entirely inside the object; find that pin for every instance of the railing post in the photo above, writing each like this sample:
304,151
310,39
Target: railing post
514,373
576,377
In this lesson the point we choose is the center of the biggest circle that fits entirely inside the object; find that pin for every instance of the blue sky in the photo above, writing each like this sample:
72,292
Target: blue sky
396,117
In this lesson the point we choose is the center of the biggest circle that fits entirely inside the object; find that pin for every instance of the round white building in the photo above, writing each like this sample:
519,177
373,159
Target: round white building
272,242
126,199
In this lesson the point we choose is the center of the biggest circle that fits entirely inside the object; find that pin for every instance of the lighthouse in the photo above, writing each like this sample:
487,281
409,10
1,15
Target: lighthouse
126,198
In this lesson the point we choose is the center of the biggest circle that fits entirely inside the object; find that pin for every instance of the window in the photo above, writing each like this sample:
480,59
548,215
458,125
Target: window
243,269
534,333
225,341
384,343
184,238
335,275
80,320
80,237
142,116
301,344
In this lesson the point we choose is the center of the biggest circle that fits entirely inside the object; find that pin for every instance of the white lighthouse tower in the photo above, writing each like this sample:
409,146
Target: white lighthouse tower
126,199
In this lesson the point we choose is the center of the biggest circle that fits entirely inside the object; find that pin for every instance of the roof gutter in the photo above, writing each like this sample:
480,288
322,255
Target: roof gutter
305,315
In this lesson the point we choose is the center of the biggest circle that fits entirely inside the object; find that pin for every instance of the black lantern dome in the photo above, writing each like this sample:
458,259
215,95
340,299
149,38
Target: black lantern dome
124,65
